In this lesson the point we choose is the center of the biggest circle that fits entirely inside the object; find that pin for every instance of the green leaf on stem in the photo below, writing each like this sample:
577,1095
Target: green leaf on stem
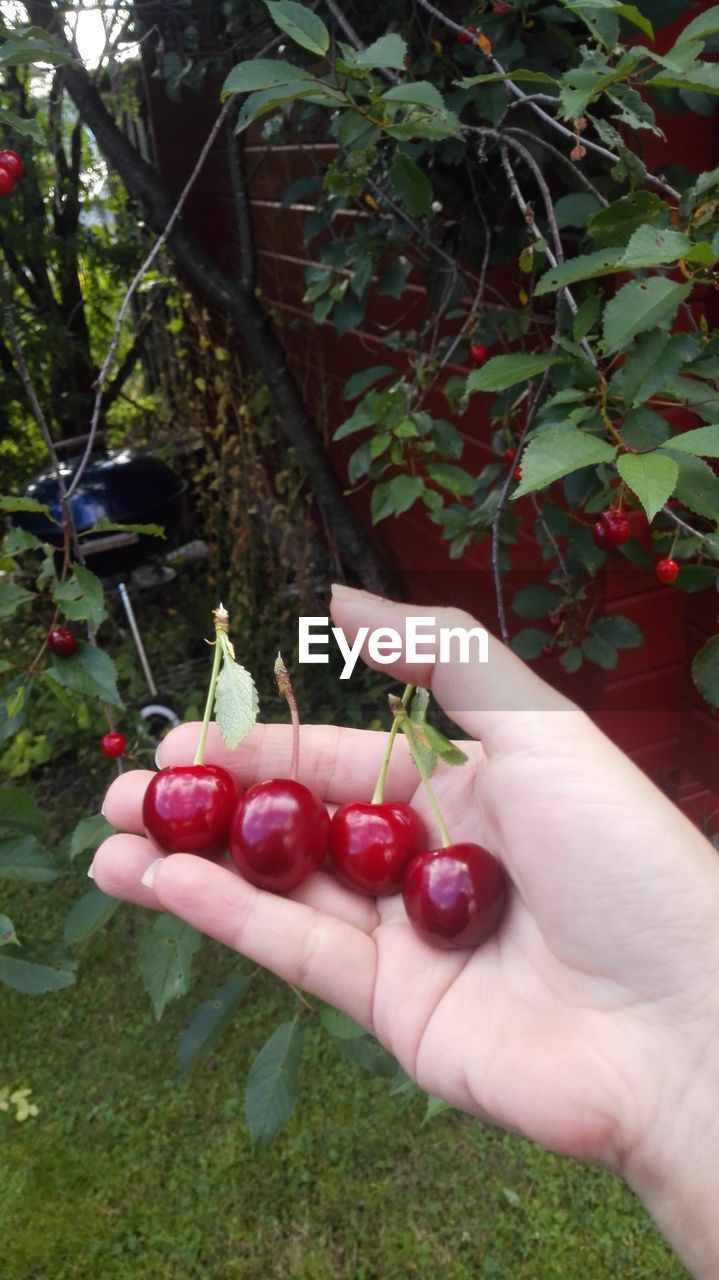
447,751
263,73
651,476
697,486
638,306
88,914
23,859
558,451
506,371
209,1021
165,958
703,441
271,1089
300,24
103,525
388,51
11,598
367,1053
599,651
19,811
411,185
339,1025
705,672
236,702
395,496
89,833
33,979
617,222
8,935
618,631
89,672
535,602
602,262
82,598
10,504
529,642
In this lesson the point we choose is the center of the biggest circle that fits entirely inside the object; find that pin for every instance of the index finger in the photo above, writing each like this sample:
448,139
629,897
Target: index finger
337,764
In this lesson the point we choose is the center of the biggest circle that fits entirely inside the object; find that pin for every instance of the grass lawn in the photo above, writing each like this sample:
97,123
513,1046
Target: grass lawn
130,1172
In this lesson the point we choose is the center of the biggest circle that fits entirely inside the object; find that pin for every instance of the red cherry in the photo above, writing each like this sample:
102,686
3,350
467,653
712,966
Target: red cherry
554,618
518,474
11,161
612,529
548,650
278,834
466,37
667,570
601,534
501,8
371,845
478,353
188,809
7,182
509,455
61,642
454,897
112,745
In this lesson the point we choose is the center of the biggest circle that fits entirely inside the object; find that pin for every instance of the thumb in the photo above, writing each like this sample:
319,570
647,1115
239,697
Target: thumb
501,701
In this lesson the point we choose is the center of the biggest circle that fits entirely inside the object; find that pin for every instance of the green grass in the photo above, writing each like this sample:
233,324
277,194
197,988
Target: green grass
129,1173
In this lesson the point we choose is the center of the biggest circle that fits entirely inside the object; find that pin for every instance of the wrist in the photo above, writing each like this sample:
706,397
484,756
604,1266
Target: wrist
674,1169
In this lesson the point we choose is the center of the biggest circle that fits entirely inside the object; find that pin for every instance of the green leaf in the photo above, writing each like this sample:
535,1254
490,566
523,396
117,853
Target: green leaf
11,504
529,642
103,525
651,476
367,1053
602,262
32,979
586,317
11,598
300,24
571,659
519,75
652,247
89,833
535,602
263,73
616,223
22,858
638,306
236,702
88,914
18,540
419,93
209,1021
395,496
705,24
19,811
435,1107
455,479
620,632
82,598
705,672
601,652
8,935
15,702
506,371
411,185
339,1025
18,124
165,958
419,707
575,209
258,104
558,451
697,486
447,751
703,441
653,361
388,51
89,671
271,1089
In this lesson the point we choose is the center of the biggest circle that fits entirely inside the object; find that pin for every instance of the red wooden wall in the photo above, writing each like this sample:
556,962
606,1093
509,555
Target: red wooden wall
648,705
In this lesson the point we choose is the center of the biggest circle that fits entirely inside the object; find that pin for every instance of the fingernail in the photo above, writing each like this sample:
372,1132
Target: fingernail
90,872
102,811
148,879
157,757
340,591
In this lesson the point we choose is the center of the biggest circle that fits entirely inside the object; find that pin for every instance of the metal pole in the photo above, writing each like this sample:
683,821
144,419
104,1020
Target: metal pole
127,605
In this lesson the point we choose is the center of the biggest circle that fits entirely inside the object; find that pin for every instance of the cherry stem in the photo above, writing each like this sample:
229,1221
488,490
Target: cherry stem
221,618
378,793
408,730
284,688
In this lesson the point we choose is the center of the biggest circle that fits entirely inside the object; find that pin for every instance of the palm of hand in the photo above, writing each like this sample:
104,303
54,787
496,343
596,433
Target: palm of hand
547,1026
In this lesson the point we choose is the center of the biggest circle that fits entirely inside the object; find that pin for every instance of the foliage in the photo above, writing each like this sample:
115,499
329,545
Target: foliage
502,168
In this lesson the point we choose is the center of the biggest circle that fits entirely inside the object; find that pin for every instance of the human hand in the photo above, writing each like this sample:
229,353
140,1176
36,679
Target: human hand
586,1022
